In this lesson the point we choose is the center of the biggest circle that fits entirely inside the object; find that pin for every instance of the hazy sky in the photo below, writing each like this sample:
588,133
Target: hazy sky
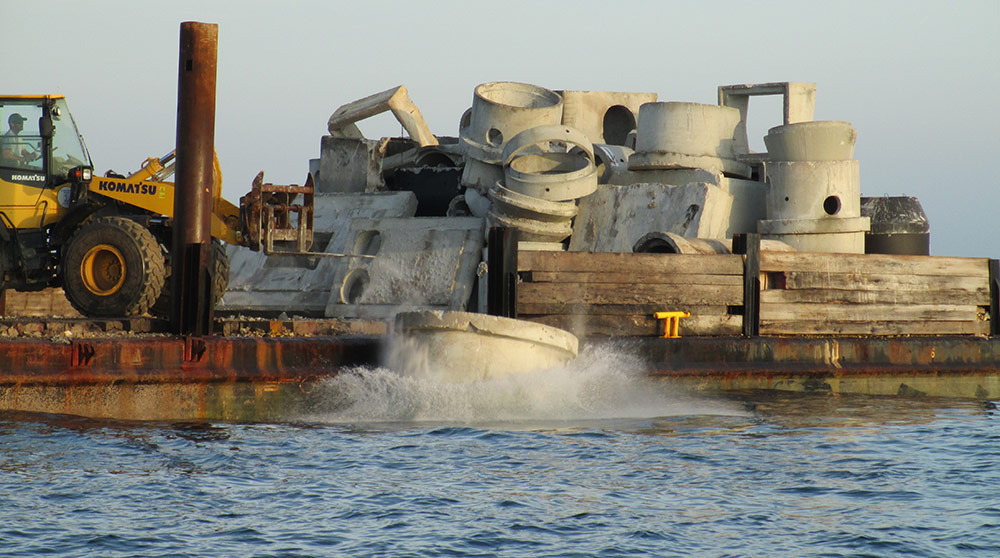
919,80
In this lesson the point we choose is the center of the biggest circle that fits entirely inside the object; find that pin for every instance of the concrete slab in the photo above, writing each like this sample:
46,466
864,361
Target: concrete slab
262,284
419,264
613,218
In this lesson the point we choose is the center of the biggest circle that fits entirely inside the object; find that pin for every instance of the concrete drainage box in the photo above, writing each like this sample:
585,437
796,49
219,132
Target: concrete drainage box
263,284
419,264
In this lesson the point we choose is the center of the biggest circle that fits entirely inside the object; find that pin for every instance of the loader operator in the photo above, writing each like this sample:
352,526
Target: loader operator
16,151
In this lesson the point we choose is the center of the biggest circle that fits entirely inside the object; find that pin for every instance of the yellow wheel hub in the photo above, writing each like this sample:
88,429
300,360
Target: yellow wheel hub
103,270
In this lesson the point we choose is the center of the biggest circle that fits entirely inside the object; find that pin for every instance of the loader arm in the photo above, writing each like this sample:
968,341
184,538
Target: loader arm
147,189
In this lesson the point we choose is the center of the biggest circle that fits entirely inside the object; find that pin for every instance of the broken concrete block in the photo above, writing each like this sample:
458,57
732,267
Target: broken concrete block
604,116
749,204
262,285
349,165
397,100
418,264
613,218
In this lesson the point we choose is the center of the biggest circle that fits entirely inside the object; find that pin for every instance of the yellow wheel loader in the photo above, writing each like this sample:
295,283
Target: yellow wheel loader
106,240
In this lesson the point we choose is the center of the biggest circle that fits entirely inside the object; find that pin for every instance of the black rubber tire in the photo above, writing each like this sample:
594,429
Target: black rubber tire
161,308
133,253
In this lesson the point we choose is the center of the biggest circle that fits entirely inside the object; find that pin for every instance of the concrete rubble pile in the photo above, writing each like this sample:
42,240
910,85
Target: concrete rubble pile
402,221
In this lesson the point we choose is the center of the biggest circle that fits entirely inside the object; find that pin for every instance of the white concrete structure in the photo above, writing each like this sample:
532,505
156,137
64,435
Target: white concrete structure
468,347
420,263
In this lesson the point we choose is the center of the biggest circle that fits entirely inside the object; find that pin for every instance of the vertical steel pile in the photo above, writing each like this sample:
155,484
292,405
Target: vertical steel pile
191,311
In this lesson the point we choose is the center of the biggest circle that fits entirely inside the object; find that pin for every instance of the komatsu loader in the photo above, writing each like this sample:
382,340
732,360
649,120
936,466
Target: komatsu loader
106,239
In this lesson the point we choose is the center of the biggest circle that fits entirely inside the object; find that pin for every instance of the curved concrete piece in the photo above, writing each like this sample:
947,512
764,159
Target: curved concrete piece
532,230
673,243
611,160
466,347
813,189
811,141
479,175
511,203
687,135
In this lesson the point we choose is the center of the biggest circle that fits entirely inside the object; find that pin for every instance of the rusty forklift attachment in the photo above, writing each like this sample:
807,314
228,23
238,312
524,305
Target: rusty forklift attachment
277,218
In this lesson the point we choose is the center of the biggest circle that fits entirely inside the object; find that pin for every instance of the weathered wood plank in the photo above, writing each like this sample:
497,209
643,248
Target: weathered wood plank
889,296
589,325
870,312
723,264
874,263
875,281
616,276
614,309
871,327
583,293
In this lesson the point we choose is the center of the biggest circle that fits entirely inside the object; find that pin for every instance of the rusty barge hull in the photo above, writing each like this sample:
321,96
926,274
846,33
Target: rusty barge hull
276,378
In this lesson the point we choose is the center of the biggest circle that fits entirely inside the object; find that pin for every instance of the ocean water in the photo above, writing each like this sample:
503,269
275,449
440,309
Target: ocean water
590,460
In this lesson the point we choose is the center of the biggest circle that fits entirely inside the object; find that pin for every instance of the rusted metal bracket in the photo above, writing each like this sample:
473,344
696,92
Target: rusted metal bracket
266,217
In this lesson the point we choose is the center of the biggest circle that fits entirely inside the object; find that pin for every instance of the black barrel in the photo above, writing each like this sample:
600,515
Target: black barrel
899,226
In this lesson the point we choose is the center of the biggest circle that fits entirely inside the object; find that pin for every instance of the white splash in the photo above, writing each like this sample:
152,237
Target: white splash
599,384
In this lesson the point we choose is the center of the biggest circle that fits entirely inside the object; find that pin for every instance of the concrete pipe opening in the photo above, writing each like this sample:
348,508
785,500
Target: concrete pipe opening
367,243
518,95
354,286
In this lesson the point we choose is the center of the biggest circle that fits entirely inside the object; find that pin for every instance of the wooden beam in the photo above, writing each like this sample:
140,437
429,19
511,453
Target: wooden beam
615,276
871,327
873,263
584,293
716,264
885,296
878,281
870,312
537,308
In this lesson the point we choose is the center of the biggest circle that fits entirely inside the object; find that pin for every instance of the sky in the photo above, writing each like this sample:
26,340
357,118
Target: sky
918,79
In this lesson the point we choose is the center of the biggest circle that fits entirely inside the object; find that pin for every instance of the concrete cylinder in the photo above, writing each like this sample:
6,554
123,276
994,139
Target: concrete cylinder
534,167
687,135
813,189
811,141
500,110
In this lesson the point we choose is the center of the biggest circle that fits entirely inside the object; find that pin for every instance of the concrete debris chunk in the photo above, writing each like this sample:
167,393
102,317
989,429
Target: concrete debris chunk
397,100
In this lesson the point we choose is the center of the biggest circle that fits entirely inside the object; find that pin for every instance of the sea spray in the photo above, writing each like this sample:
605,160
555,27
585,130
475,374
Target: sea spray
602,383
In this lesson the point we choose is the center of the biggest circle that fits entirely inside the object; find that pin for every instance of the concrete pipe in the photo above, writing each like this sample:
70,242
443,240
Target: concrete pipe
532,167
813,189
611,160
510,203
811,141
465,347
673,243
687,135
846,236
500,110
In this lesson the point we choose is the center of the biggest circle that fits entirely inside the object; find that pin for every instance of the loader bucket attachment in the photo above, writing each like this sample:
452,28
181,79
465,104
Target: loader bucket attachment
278,219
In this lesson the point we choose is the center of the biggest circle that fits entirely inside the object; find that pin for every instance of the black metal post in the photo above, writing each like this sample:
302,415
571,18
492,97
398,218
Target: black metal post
749,245
191,260
994,297
501,298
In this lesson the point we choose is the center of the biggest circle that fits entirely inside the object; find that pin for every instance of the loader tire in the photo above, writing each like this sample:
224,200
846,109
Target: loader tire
112,267
161,308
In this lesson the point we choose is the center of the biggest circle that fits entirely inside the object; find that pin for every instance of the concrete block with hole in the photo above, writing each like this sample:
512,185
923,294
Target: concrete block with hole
298,285
613,218
419,264
604,116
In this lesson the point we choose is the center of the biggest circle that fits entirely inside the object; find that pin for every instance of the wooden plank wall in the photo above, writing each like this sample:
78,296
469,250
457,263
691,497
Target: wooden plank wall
47,302
615,295
829,294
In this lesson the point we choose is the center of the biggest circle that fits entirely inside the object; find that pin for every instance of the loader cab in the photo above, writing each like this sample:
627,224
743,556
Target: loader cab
39,144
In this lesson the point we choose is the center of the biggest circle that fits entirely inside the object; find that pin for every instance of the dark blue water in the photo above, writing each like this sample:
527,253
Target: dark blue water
562,465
